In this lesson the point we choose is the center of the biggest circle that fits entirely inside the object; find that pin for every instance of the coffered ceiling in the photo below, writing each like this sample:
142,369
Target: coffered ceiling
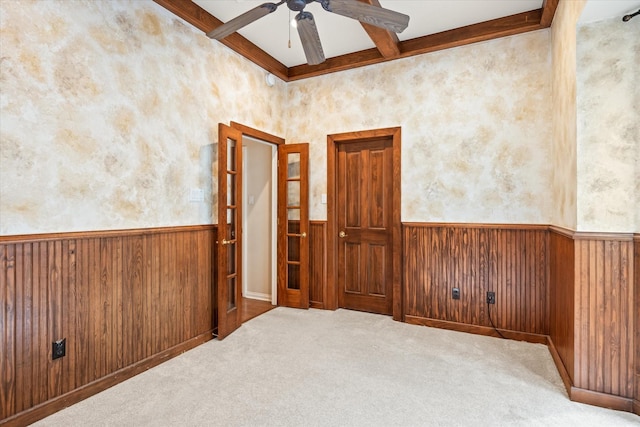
433,25
341,35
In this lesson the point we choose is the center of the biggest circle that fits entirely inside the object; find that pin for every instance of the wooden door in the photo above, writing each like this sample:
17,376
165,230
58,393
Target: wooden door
293,225
365,225
229,244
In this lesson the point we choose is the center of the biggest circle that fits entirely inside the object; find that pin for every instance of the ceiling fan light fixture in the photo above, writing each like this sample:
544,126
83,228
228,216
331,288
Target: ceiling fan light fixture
297,5
306,25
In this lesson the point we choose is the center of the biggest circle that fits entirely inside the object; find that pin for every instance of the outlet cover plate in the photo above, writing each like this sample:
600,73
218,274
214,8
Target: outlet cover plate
58,349
491,297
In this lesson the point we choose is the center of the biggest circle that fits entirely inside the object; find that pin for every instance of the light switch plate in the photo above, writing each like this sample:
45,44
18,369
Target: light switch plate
323,199
196,195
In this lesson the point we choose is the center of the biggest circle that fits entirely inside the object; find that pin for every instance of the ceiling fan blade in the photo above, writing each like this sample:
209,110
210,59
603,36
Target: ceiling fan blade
242,20
374,15
309,37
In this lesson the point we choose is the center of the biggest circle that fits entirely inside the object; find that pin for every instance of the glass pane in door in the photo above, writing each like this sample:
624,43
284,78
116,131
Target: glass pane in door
231,259
293,248
231,292
293,276
231,224
231,186
293,193
231,155
293,165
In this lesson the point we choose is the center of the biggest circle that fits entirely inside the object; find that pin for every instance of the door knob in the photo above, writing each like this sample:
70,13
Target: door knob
225,242
342,234
303,235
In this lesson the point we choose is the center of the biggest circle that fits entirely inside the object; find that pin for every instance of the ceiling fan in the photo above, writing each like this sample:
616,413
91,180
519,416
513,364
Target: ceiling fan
307,30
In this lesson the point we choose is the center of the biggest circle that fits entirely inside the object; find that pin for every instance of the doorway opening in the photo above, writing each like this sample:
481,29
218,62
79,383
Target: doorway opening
259,222
260,264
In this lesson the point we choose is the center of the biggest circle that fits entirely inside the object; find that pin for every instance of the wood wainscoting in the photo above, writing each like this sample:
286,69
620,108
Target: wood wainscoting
128,300
509,260
124,301
636,281
561,292
593,338
317,263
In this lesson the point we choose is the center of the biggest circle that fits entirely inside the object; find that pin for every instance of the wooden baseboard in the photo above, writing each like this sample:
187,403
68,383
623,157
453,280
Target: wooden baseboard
576,394
603,400
257,296
478,330
315,304
52,406
590,397
562,370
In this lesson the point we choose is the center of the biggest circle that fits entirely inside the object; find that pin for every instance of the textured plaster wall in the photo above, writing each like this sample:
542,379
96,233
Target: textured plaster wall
109,113
563,160
608,103
476,140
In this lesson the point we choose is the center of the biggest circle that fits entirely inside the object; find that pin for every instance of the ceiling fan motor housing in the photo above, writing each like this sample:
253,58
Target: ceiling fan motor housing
297,5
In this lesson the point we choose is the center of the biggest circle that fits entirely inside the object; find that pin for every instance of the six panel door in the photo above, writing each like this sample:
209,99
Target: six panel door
364,220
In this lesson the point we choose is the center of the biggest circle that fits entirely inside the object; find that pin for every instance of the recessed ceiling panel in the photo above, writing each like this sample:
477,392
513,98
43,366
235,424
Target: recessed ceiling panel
340,35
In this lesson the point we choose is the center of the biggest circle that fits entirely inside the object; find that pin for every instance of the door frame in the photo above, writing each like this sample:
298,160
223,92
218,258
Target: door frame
276,141
333,141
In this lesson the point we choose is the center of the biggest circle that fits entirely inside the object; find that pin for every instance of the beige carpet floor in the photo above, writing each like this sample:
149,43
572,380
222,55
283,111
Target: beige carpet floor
320,368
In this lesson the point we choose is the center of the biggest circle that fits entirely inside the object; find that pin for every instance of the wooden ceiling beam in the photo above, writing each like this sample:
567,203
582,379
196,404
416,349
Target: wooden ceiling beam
204,21
488,30
548,12
384,51
386,41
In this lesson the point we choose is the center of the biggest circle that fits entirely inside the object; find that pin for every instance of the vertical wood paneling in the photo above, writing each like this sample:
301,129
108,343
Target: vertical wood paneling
23,313
317,263
604,339
476,260
117,299
81,309
562,272
636,305
41,338
7,327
